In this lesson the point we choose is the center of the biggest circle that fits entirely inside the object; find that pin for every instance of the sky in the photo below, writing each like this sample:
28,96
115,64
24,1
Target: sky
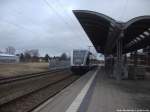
51,27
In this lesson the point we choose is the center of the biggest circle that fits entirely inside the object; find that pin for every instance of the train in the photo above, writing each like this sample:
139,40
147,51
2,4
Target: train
82,61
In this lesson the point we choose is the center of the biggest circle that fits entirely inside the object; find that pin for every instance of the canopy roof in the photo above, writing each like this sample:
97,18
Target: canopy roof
136,34
104,31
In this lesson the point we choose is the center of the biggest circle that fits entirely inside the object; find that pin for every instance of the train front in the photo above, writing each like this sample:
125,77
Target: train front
80,61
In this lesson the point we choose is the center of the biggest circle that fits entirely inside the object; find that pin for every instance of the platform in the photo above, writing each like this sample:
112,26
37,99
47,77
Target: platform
95,92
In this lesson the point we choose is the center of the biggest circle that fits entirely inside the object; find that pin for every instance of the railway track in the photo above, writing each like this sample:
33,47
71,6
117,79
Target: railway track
22,94
28,76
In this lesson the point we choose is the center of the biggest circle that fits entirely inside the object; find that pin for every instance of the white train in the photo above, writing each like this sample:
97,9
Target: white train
82,61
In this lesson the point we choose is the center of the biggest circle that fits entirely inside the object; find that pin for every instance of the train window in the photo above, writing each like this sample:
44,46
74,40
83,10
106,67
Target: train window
78,57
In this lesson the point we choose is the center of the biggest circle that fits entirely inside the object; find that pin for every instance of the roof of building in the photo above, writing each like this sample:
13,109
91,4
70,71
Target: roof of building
7,55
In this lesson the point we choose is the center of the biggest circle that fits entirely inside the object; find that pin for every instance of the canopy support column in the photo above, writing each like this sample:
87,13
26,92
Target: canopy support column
135,59
118,67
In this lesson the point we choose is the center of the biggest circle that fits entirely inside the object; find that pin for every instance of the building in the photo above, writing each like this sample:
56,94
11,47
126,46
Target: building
10,50
7,58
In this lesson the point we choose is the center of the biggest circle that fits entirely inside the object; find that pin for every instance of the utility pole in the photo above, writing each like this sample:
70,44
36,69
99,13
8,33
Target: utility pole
89,47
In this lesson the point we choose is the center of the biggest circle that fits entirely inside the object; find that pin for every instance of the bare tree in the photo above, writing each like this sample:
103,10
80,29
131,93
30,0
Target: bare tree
46,57
63,56
27,57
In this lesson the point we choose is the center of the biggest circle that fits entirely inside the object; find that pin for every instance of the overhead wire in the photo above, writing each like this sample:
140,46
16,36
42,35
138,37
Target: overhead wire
18,26
79,33
56,12
62,6
67,24
63,19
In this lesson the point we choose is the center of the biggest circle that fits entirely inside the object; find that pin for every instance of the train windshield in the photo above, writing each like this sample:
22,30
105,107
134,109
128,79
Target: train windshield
78,57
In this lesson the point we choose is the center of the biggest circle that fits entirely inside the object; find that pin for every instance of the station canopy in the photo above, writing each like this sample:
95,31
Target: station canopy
103,31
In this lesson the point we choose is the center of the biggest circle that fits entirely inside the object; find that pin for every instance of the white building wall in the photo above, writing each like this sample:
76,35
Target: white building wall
5,58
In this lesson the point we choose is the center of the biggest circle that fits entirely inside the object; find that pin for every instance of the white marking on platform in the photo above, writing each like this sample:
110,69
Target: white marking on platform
78,100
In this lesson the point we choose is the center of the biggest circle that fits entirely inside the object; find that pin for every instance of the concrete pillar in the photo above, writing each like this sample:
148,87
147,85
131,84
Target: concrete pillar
135,59
118,66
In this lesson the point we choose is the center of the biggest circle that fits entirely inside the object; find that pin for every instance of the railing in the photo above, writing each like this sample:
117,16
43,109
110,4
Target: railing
59,64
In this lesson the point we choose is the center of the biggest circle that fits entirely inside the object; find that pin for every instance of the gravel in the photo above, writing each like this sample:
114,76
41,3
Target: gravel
41,89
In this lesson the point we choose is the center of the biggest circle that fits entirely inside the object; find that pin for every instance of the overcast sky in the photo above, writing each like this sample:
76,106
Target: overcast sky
51,27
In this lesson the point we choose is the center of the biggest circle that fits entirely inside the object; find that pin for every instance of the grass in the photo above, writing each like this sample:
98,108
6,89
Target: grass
7,70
